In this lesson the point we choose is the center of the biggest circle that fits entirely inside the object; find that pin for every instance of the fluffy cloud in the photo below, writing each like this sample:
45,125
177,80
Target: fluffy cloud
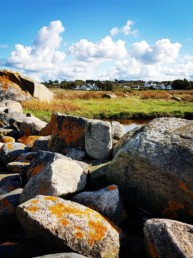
126,29
43,54
105,49
162,52
105,59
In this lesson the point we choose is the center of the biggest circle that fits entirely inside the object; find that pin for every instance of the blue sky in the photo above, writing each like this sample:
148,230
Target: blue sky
94,39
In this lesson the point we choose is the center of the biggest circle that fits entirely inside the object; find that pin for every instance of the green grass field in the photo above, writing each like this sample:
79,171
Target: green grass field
92,105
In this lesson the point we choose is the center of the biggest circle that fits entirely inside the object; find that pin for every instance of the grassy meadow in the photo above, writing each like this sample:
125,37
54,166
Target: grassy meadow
132,105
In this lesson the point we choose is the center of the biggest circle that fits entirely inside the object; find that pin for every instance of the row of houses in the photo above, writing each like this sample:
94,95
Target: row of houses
146,85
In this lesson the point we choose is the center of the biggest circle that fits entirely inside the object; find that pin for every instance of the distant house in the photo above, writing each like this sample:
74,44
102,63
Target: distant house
157,86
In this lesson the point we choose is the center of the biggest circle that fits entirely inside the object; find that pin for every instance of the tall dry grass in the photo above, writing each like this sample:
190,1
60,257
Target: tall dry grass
155,95
57,105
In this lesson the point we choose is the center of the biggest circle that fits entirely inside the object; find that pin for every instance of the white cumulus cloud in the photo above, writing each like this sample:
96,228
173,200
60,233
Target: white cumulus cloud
162,52
105,49
43,53
126,29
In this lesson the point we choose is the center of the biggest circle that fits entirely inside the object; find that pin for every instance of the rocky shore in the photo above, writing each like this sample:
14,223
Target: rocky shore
77,187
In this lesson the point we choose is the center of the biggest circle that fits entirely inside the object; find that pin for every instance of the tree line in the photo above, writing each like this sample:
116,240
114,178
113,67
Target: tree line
116,84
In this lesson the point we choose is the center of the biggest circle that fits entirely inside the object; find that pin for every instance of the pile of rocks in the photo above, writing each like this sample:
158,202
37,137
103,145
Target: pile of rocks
84,186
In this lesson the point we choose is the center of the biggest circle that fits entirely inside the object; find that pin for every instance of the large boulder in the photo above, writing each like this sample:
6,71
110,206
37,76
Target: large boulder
21,87
60,178
168,238
65,131
154,168
98,139
58,224
31,126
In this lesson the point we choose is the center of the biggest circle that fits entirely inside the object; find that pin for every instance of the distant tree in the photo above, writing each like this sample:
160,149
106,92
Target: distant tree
181,84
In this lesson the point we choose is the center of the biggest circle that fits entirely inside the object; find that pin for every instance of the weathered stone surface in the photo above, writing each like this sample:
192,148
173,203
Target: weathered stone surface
58,224
117,130
18,166
29,140
74,153
21,87
10,151
62,255
10,106
106,201
9,183
60,178
8,205
67,131
5,131
41,143
98,139
126,137
31,126
42,160
154,168
168,238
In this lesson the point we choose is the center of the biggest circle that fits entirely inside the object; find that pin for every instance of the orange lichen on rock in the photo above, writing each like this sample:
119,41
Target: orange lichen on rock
4,203
32,208
9,146
79,235
35,201
183,186
7,139
60,208
35,170
28,140
98,231
153,251
170,212
112,187
64,222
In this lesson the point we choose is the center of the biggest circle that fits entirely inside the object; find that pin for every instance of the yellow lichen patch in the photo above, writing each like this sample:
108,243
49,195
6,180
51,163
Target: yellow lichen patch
32,208
153,251
98,231
50,198
112,187
7,139
9,146
34,171
34,201
64,222
60,208
79,235
183,186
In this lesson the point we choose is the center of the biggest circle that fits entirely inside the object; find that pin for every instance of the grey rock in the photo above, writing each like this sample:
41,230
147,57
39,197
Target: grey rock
41,143
10,151
154,168
41,160
9,182
168,238
31,126
57,224
117,130
110,96
106,201
98,139
11,106
8,205
60,178
74,153
126,137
